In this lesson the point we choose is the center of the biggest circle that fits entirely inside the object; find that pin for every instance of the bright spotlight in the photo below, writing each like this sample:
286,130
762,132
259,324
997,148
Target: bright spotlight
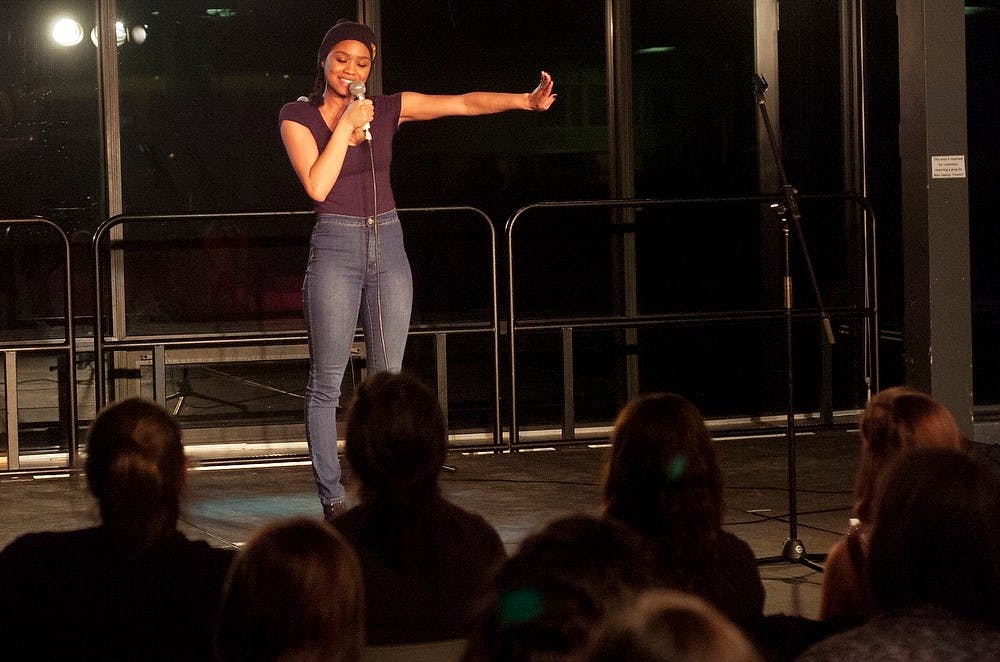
138,33
119,34
67,32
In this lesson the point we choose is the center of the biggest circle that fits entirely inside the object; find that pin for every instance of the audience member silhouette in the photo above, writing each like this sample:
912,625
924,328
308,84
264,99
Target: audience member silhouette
897,419
294,593
425,561
664,482
933,564
550,597
133,587
665,625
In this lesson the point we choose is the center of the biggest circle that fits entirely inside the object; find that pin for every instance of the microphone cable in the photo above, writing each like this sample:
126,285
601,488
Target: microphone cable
378,271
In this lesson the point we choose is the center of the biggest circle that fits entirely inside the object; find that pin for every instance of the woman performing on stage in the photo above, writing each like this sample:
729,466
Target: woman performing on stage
340,145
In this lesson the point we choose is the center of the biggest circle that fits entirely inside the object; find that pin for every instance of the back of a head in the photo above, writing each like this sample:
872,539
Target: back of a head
670,626
899,419
549,597
136,468
663,470
294,593
396,440
935,536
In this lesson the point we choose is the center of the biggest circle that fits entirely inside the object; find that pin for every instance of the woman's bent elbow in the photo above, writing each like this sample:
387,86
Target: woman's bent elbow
317,195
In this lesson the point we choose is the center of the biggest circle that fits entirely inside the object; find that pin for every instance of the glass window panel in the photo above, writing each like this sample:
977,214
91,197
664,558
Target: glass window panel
502,162
499,163
215,275
695,124
200,97
201,88
41,413
982,44
695,135
32,282
50,139
50,166
811,118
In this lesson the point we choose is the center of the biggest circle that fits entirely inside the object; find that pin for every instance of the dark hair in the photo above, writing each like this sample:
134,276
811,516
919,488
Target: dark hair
294,593
670,626
342,30
549,597
898,419
396,440
935,536
395,443
136,468
664,481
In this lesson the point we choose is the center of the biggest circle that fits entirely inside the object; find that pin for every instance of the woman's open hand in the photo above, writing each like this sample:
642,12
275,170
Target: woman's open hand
542,97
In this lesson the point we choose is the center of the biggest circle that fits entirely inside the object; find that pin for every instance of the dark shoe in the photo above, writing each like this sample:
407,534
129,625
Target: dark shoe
332,511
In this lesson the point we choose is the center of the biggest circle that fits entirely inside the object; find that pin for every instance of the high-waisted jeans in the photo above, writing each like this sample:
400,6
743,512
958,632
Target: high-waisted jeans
349,272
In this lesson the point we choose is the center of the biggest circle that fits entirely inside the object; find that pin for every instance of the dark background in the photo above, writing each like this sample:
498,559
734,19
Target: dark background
199,102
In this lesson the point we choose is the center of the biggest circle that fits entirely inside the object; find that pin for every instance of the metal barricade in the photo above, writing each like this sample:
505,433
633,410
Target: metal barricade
566,326
159,343
11,348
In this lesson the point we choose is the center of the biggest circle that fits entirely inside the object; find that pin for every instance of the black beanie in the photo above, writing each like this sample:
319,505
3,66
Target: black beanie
343,30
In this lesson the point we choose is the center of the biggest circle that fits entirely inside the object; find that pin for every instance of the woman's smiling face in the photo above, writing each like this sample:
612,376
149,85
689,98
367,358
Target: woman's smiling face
348,61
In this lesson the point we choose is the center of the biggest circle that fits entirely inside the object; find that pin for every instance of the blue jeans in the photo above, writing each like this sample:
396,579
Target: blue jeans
348,272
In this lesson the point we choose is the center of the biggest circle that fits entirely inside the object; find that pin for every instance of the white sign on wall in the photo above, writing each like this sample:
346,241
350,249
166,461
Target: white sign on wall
948,167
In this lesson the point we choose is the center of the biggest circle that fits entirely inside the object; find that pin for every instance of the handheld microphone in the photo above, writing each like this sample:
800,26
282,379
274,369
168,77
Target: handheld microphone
357,90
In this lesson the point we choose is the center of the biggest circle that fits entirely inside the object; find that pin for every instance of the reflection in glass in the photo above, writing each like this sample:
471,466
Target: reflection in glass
50,142
67,32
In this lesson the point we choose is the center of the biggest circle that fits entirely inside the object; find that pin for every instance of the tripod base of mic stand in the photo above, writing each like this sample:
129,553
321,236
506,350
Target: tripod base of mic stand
793,551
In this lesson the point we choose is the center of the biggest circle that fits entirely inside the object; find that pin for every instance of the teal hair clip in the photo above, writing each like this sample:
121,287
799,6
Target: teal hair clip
677,466
520,606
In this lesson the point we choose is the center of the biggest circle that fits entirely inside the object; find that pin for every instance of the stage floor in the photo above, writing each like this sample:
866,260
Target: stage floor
517,492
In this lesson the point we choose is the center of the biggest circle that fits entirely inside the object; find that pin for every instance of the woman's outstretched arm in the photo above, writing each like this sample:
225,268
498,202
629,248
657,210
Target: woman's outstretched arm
416,106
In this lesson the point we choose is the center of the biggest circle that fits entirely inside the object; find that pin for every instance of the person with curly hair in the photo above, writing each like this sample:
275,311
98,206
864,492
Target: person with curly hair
663,481
896,420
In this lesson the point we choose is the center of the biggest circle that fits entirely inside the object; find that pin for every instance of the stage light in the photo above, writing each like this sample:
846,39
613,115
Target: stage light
138,33
120,35
67,32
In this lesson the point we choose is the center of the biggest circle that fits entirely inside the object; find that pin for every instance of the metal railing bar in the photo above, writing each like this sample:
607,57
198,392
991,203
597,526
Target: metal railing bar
234,339
34,345
67,344
103,343
683,319
867,312
283,336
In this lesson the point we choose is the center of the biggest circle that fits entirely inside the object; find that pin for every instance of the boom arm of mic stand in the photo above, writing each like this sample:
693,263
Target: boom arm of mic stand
791,205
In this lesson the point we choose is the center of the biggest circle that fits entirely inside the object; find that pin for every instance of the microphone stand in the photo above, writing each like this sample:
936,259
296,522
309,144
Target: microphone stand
789,216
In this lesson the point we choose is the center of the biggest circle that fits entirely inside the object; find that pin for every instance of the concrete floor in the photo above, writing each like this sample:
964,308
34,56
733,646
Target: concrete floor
517,493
